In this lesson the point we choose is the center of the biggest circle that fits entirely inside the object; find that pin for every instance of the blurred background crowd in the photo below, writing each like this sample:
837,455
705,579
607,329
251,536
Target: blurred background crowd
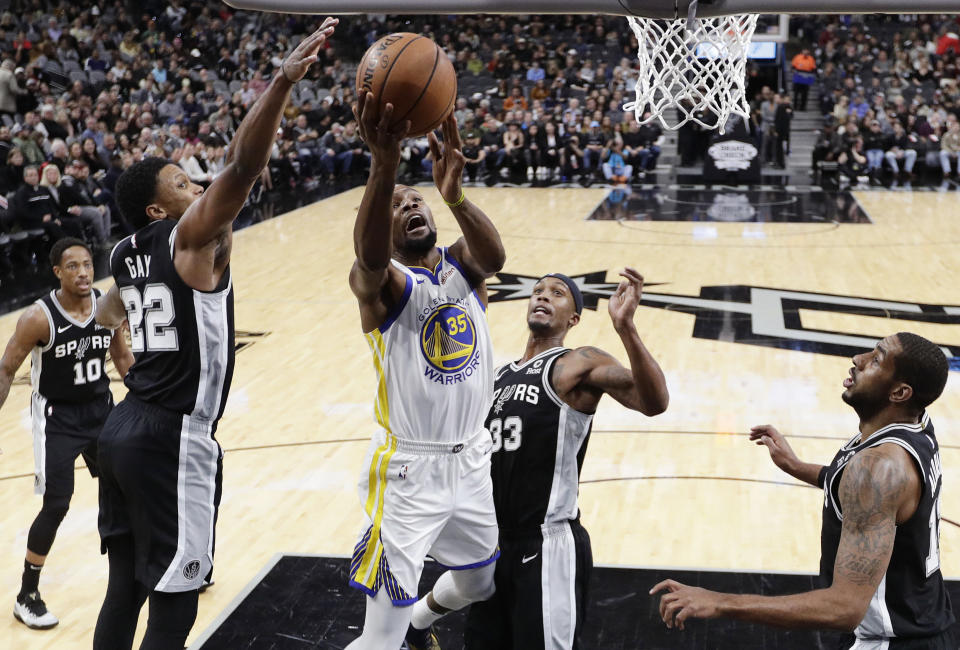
87,90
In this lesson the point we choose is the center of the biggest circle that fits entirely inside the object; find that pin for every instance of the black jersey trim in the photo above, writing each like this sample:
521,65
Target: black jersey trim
53,329
514,365
548,383
71,319
876,443
113,251
223,285
916,427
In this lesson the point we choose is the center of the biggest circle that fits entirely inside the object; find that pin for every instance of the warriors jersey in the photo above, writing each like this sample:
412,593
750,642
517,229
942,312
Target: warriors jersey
433,357
539,442
182,338
70,367
911,600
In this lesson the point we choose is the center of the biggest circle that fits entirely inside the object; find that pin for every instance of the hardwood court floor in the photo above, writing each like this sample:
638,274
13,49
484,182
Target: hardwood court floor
657,492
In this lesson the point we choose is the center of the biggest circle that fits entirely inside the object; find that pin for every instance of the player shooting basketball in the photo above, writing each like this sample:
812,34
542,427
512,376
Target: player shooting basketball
426,484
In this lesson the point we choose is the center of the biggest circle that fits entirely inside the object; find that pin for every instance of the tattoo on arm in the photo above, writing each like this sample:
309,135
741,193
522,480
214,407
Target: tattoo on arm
870,494
593,353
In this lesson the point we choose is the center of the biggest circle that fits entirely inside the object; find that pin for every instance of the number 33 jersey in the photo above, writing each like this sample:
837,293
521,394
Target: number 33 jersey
539,442
182,339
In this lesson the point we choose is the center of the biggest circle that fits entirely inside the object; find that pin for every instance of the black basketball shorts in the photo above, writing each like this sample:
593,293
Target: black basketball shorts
160,482
61,432
541,595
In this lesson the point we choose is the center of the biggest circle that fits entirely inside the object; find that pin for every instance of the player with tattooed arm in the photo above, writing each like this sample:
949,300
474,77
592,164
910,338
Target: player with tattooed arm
880,538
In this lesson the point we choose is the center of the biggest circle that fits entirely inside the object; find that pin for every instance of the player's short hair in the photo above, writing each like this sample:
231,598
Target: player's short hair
922,365
137,188
56,252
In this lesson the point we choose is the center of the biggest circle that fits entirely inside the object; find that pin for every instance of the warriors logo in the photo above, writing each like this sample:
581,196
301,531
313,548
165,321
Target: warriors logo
448,338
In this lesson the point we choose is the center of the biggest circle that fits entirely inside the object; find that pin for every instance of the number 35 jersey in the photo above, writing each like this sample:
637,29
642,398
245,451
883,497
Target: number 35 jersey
433,357
539,443
182,339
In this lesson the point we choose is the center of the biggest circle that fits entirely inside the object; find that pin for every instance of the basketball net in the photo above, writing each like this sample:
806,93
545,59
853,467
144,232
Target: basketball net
696,65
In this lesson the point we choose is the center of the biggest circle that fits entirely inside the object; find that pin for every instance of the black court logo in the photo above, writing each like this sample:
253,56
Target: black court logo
191,570
758,315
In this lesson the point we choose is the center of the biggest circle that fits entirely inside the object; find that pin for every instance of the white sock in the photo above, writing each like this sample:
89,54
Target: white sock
423,616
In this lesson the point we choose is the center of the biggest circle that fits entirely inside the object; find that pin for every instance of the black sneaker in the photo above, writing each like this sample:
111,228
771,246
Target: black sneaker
422,639
32,612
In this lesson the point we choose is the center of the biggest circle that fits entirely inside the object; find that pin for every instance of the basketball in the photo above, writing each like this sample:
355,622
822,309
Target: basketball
412,73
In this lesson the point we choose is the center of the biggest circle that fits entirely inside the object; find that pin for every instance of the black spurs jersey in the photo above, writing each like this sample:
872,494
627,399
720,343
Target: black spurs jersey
70,368
911,600
539,443
182,338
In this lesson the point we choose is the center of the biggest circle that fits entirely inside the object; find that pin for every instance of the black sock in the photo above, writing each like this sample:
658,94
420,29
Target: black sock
31,579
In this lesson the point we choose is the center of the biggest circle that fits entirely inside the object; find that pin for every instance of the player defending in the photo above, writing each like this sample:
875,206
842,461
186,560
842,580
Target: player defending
540,421
160,463
426,479
880,540
71,401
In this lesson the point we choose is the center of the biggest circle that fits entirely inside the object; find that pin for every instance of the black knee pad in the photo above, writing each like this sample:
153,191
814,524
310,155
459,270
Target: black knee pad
44,528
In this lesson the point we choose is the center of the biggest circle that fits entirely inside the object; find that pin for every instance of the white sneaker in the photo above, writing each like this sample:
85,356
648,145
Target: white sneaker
32,612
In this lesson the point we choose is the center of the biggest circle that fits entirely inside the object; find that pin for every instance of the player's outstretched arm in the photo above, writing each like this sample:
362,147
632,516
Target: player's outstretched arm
32,329
373,280
642,387
876,485
480,250
783,456
249,151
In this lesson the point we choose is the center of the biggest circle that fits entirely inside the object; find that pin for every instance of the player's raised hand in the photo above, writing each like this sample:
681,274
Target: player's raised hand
781,453
448,160
374,126
682,602
624,301
297,63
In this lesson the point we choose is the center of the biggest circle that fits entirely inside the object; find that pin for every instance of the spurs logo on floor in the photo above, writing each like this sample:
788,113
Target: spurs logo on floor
758,315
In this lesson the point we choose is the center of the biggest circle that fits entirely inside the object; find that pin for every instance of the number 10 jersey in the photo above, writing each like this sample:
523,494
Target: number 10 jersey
182,338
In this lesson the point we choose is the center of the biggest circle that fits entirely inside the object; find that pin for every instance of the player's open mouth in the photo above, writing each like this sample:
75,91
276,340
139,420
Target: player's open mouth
416,222
849,381
539,309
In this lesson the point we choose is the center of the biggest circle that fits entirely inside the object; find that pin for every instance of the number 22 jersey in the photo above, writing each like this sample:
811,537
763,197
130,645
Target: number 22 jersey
182,338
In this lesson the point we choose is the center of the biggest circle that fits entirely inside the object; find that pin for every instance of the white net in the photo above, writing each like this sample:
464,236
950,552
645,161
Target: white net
696,65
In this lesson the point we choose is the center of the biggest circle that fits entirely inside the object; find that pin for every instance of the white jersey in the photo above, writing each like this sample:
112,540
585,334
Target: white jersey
433,358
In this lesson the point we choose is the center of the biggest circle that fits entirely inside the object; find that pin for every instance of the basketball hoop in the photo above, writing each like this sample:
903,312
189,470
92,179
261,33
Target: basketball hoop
696,65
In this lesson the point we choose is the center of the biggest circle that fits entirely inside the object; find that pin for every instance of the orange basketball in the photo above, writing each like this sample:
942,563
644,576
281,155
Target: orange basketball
412,73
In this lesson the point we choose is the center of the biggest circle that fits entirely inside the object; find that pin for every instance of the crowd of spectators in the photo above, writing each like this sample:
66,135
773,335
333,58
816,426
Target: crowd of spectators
85,90
890,95
88,89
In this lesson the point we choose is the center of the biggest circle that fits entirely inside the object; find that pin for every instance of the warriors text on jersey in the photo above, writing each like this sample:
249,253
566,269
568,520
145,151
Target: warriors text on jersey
182,338
70,368
911,600
433,357
539,443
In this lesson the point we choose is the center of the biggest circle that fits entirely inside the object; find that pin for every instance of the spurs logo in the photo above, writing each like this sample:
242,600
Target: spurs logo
758,315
